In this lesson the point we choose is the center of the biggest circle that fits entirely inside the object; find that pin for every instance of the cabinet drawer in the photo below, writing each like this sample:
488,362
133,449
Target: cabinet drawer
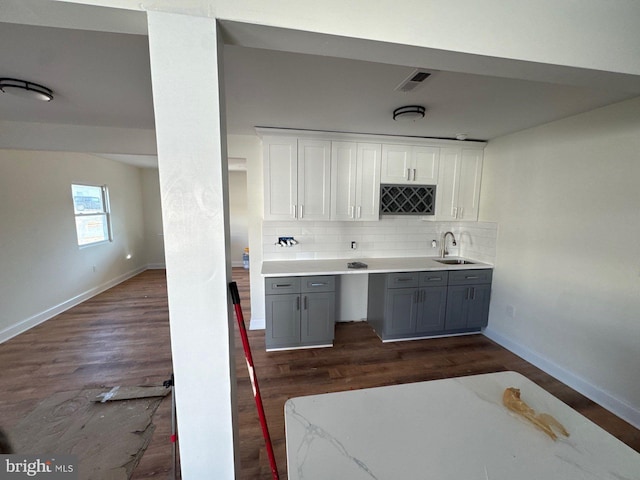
324,283
433,279
470,277
403,280
282,285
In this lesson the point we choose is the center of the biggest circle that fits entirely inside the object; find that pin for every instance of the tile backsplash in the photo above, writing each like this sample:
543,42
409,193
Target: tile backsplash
389,237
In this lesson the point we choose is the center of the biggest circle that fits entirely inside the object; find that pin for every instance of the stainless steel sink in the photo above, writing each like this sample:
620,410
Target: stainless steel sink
455,261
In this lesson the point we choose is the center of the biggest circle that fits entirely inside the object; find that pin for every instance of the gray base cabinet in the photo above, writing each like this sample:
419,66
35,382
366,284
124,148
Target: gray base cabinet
421,304
404,305
468,299
300,311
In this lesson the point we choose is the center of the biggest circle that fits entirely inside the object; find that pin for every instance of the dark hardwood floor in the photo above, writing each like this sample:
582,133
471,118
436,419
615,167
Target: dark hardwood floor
121,337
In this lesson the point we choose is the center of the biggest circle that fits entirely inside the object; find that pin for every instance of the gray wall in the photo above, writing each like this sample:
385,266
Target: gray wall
42,269
567,276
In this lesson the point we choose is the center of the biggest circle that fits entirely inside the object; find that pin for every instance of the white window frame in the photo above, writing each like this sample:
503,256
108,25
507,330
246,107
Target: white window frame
105,213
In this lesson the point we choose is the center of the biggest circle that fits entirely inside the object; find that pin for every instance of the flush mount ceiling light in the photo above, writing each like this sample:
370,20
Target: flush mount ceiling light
410,112
461,136
22,88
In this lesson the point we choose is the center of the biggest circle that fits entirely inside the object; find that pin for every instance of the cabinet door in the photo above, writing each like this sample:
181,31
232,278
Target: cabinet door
282,320
478,312
317,317
431,314
396,164
469,184
314,180
368,182
343,180
425,165
401,308
448,184
457,307
280,178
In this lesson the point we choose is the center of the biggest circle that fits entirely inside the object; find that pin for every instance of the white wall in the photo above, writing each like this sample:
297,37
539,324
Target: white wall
249,147
238,221
153,235
42,269
566,286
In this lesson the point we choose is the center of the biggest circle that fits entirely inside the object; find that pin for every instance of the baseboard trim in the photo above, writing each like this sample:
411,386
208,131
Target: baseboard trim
601,397
37,319
156,266
257,324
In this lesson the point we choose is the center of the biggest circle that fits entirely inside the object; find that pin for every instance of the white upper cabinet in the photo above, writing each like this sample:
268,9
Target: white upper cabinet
458,190
337,176
355,181
280,177
409,164
297,175
314,180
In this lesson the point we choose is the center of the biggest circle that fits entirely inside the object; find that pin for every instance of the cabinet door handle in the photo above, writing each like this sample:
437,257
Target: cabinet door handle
283,285
352,214
295,211
359,215
414,174
415,296
473,293
471,277
403,279
297,303
318,284
408,174
301,211
461,212
423,295
434,279
305,302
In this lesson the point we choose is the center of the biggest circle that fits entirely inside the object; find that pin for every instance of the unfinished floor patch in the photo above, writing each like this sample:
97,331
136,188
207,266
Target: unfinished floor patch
108,437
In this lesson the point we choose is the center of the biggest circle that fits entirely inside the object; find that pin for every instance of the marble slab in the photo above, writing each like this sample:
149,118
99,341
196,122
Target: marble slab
452,429
338,266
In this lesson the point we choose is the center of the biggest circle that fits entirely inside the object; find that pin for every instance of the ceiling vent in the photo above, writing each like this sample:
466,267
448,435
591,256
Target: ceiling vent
414,81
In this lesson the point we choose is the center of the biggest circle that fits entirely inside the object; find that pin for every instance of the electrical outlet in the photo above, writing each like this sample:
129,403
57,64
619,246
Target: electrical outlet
511,311
354,245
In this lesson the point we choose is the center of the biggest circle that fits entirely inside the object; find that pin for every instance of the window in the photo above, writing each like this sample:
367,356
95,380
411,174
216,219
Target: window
91,208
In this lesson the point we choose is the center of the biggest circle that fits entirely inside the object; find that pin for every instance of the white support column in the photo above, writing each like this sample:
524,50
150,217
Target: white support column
186,58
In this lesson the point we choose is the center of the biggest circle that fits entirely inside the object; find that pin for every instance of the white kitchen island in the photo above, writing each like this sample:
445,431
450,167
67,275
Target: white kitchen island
452,429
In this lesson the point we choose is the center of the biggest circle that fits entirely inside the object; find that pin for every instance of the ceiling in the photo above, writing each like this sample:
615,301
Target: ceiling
103,79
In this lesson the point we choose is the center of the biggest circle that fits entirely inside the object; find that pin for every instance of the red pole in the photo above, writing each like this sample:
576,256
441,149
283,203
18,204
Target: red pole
235,297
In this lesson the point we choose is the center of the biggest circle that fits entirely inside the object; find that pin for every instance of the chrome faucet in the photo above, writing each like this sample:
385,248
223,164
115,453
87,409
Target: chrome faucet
443,243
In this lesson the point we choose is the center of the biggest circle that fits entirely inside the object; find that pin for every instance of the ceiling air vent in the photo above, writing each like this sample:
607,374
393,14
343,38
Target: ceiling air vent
414,80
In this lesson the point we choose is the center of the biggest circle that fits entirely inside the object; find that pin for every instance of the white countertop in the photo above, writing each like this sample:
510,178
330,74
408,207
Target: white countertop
448,429
375,265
